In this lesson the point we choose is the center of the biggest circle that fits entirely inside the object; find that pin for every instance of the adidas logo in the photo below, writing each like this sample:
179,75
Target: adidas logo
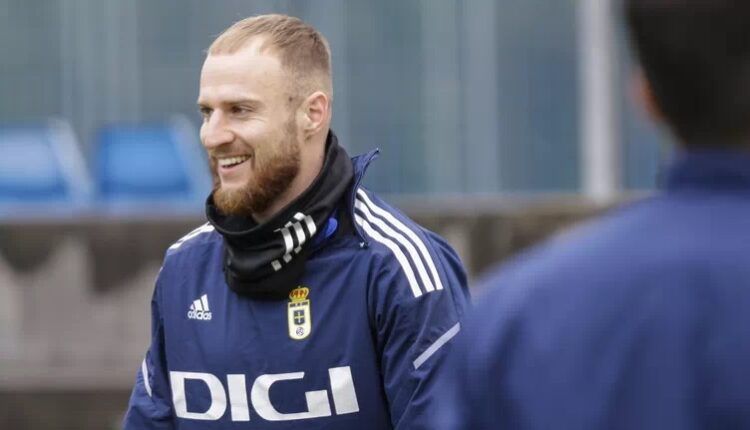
199,309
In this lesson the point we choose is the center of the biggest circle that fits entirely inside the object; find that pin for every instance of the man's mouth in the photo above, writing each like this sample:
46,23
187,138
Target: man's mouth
229,162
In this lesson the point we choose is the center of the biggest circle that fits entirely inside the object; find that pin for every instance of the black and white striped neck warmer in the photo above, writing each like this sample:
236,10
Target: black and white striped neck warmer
267,261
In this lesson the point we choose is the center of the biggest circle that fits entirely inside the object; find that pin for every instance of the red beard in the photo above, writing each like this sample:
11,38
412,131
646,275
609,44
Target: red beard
273,175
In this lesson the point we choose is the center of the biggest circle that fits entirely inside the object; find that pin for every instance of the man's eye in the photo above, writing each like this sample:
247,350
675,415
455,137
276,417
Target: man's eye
205,112
239,110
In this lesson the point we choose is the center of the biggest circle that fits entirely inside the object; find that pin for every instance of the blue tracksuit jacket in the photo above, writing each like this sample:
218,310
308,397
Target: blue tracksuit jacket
357,347
640,320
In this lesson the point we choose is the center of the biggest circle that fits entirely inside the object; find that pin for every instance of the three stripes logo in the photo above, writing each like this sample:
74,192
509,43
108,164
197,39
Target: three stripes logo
407,246
303,228
199,309
205,228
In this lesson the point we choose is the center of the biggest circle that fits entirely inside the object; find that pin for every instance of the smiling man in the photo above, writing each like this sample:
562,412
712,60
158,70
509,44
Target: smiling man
305,301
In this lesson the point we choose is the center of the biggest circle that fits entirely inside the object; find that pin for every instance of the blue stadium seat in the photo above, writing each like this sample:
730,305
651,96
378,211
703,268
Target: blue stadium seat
156,164
41,163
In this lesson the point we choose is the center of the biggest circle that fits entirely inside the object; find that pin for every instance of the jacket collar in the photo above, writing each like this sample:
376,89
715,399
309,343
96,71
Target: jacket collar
710,170
361,163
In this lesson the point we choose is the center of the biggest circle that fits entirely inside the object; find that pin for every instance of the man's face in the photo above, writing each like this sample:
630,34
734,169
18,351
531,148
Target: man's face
249,129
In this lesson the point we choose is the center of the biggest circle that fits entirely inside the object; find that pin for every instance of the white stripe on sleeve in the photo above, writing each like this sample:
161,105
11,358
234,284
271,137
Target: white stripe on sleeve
205,228
400,239
406,230
442,340
144,373
396,251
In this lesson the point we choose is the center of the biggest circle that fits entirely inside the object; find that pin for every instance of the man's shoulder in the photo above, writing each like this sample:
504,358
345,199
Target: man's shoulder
638,249
197,239
657,234
389,232
192,253
402,246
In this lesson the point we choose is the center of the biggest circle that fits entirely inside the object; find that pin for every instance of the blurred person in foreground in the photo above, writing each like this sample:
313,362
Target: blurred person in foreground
639,320
305,301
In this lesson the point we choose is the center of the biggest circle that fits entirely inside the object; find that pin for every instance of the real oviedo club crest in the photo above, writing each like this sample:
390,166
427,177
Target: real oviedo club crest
298,313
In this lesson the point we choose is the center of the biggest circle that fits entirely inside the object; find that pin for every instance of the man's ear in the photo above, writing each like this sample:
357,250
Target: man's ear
644,96
316,113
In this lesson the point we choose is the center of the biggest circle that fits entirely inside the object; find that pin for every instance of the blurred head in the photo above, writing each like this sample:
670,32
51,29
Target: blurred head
265,98
695,56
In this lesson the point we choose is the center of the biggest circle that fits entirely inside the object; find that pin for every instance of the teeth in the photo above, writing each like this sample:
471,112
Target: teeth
225,162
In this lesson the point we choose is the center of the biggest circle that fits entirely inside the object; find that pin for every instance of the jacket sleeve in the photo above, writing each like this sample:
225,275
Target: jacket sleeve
414,331
150,405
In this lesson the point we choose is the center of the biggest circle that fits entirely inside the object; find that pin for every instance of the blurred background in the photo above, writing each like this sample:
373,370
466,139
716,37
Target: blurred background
499,123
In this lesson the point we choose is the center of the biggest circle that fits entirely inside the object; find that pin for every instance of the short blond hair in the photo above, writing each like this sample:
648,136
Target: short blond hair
302,50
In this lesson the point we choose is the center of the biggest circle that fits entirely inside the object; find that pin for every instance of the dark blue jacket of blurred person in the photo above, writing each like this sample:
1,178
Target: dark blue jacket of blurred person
639,320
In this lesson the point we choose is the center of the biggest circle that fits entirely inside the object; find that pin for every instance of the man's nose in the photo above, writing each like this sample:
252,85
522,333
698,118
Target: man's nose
215,133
